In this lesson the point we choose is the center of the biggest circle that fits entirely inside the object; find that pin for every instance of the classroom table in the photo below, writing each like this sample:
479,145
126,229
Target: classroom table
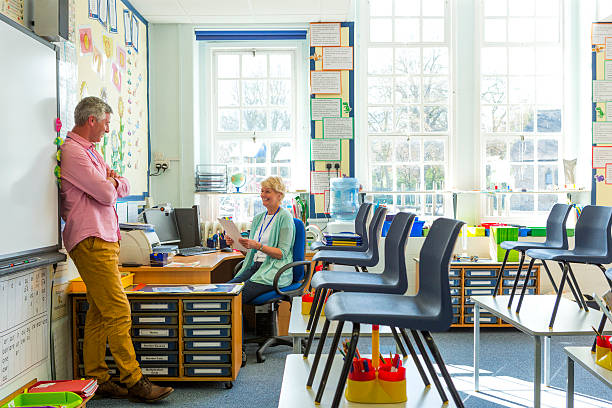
533,320
585,358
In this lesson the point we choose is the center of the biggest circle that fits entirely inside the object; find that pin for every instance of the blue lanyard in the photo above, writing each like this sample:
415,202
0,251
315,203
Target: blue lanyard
267,225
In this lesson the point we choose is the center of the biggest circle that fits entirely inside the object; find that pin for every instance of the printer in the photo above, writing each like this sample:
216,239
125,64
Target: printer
137,245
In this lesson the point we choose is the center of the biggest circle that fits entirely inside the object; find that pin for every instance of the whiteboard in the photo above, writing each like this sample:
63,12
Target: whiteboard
28,106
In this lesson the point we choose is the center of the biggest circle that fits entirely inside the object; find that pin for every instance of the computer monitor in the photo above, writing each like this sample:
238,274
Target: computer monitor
164,222
188,222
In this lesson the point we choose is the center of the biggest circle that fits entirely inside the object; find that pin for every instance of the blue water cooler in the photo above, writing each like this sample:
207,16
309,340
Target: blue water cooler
344,200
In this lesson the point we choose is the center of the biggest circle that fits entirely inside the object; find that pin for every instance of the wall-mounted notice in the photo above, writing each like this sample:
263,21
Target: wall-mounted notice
602,131
326,195
326,82
325,149
608,173
600,32
319,181
602,91
338,128
337,58
325,107
608,49
608,70
601,156
324,34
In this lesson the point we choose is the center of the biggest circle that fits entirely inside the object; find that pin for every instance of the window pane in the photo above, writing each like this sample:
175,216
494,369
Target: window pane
381,7
521,7
549,120
547,8
435,89
548,177
382,178
548,90
407,30
547,29
435,60
228,120
281,152
546,201
408,178
379,120
495,30
381,149
228,66
280,65
254,93
493,60
407,61
228,93
548,149
407,89
280,92
254,66
521,60
434,150
254,152
521,151
549,61
434,204
380,30
407,7
495,7
493,90
521,89
495,149
493,118
408,150
521,202
228,152
380,90
433,29
409,203
254,120
523,177
433,8
408,118
280,121
520,118
434,177
380,61
436,118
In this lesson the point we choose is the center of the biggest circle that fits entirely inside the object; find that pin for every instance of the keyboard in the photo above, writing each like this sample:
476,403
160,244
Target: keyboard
197,250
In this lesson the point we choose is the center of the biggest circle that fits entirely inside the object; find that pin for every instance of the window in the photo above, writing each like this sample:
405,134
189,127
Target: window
521,100
253,113
408,103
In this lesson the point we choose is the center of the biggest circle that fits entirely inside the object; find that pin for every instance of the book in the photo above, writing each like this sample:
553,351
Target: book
84,388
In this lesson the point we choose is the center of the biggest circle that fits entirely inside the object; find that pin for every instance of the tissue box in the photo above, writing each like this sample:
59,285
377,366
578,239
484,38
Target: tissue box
159,259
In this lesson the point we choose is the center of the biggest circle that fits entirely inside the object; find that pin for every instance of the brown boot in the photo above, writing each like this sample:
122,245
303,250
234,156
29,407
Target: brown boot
145,391
109,389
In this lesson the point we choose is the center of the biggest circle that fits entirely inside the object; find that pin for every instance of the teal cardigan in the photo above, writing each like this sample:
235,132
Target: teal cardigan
281,237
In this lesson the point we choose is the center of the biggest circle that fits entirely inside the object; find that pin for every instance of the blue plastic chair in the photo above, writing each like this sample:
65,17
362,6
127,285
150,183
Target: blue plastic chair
301,277
593,247
360,229
430,310
556,238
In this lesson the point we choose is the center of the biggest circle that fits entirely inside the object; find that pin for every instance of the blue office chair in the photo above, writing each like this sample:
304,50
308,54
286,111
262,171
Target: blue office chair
430,310
360,229
593,247
556,238
296,288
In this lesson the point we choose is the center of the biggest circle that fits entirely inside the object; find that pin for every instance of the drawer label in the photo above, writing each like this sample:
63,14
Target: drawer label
154,345
154,332
206,319
207,332
154,358
480,273
152,319
207,371
206,357
154,370
154,306
206,305
206,344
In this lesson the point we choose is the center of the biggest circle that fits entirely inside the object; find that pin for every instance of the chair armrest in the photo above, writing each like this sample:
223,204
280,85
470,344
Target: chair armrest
237,267
305,281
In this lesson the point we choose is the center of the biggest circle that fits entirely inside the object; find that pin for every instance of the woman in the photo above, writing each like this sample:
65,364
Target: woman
269,245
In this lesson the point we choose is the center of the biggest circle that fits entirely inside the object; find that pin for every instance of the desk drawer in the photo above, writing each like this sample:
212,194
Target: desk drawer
512,272
480,282
454,282
217,305
154,332
207,318
160,371
453,272
528,291
155,305
192,357
153,345
485,318
209,331
457,309
456,319
138,318
455,300
479,291
455,291
521,282
208,344
153,358
208,371
481,273
113,371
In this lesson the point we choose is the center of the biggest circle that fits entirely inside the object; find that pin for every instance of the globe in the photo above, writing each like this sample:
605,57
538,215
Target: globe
238,180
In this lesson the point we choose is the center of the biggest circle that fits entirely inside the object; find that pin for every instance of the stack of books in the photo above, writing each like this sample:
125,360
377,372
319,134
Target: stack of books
342,240
84,388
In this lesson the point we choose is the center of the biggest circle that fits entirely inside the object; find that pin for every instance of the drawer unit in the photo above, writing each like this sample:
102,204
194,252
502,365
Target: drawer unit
207,371
528,291
217,305
160,370
140,318
455,291
454,282
512,272
194,357
456,319
510,282
455,300
479,291
154,305
456,309
209,331
154,332
155,344
481,273
479,282
147,358
208,344
485,318
207,318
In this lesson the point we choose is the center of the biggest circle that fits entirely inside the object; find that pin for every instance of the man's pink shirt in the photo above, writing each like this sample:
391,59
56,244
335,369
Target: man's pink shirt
87,197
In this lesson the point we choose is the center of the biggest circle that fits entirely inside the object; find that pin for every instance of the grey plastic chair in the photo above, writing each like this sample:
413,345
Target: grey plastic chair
430,310
360,229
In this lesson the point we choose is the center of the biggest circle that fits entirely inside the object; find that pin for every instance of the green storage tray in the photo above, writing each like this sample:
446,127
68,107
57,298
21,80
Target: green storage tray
538,231
54,399
570,232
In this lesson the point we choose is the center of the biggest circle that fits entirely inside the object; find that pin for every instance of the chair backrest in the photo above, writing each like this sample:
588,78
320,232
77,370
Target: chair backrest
395,251
361,222
299,245
593,231
374,233
556,234
434,262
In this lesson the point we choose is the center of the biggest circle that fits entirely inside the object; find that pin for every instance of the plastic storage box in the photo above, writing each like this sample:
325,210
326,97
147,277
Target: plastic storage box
46,399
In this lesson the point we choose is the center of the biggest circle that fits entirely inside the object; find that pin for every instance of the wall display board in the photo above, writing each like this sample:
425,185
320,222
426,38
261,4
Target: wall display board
13,9
113,65
332,93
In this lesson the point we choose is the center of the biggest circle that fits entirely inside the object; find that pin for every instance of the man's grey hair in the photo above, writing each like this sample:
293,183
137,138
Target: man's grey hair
90,106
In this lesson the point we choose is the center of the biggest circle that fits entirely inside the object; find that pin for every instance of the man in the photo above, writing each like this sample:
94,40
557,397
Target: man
89,191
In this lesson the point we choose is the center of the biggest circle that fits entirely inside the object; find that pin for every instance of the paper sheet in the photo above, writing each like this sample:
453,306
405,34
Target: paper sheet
602,91
325,82
600,32
324,34
337,58
608,173
602,131
325,107
234,233
325,149
319,181
338,128
601,156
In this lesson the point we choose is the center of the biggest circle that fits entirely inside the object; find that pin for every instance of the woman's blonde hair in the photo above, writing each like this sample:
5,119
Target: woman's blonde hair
275,183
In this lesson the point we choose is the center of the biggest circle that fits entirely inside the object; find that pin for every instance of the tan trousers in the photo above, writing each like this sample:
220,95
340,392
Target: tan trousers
108,318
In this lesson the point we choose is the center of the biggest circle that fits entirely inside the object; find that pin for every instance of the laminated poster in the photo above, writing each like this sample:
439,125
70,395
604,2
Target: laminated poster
602,132
601,156
326,82
325,107
337,58
602,91
324,34
319,181
338,128
608,173
325,149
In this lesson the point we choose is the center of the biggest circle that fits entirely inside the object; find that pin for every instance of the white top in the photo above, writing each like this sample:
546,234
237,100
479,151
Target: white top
264,230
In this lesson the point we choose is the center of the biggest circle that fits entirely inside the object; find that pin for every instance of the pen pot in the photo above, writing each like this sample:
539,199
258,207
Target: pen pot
603,352
361,385
377,387
392,384
307,304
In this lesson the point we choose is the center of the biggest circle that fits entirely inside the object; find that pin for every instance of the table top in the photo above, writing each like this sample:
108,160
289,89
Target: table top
584,357
486,262
294,393
207,262
536,312
298,323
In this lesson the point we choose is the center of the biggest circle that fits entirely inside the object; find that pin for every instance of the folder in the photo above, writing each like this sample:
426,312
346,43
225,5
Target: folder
84,388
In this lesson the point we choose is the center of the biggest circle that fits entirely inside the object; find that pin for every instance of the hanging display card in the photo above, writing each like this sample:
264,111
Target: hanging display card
325,107
601,156
602,91
608,173
338,128
325,149
323,82
319,181
602,132
337,58
324,34
600,32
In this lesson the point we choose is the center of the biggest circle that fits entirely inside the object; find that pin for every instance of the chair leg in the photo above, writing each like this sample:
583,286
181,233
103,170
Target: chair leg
364,269
271,342
516,279
346,367
315,322
571,286
580,296
501,273
329,362
430,367
315,362
415,358
438,358
522,296
315,301
356,268
399,342
550,277
554,313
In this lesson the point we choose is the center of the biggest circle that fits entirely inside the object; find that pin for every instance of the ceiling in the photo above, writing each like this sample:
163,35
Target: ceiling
204,12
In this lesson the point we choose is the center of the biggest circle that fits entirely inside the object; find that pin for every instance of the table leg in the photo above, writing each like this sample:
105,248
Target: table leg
297,345
547,361
570,383
537,373
476,347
